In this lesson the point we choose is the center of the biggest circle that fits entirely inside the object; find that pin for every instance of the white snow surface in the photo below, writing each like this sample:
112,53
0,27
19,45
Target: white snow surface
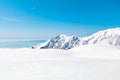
80,63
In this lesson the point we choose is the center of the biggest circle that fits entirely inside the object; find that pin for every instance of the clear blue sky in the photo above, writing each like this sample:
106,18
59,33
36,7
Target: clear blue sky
43,19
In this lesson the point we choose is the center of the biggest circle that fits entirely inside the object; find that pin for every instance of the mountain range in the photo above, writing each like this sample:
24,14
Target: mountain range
106,37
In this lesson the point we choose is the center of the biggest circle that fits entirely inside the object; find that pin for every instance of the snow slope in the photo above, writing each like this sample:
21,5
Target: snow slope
106,37
87,63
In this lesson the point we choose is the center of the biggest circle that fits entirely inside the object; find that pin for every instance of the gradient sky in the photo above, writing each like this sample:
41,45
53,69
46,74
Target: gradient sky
43,19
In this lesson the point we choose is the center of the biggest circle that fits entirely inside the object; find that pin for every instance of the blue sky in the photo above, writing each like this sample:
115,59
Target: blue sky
43,19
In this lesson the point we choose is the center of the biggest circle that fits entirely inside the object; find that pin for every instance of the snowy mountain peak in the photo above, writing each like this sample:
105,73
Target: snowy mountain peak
61,42
106,37
65,37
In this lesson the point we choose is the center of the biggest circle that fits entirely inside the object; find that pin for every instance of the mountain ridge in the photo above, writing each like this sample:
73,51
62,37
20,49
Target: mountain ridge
107,37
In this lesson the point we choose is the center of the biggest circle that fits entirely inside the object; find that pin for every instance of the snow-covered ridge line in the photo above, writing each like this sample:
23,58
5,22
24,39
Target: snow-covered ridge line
111,36
106,37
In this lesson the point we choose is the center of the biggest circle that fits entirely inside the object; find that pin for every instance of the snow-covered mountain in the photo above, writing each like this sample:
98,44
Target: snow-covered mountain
109,36
60,42
105,37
